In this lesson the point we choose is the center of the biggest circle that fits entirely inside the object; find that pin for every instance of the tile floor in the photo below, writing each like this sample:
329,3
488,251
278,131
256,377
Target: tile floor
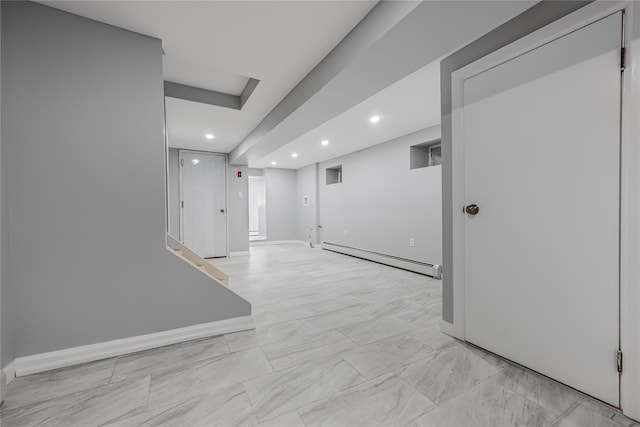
338,342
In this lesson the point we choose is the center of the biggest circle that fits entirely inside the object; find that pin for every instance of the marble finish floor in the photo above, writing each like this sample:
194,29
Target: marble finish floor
338,342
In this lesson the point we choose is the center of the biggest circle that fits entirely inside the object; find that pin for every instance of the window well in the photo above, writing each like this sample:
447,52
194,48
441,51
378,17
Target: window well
334,175
425,154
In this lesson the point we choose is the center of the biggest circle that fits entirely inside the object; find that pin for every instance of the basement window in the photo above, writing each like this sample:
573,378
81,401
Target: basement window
334,175
425,154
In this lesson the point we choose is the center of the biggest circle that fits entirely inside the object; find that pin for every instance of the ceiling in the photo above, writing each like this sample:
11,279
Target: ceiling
411,104
319,80
219,45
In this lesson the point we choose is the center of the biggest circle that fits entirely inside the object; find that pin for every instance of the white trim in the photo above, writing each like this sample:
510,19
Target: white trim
239,253
89,353
630,221
630,203
276,242
433,270
458,201
9,372
7,375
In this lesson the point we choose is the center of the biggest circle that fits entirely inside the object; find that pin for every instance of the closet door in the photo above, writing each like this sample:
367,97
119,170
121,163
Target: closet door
542,168
203,204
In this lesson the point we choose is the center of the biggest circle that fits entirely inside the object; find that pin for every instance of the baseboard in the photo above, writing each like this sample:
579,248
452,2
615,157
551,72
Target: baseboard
89,353
240,253
432,270
3,387
7,375
276,242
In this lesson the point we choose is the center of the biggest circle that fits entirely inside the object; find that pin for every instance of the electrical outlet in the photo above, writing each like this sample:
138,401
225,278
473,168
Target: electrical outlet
345,232
412,242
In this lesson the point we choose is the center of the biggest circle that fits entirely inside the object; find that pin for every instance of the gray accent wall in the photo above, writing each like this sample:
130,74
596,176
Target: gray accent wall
238,206
306,186
280,189
6,330
532,19
83,127
382,203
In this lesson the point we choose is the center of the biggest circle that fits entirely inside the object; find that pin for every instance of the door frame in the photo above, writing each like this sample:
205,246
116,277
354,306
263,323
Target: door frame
264,188
226,192
630,180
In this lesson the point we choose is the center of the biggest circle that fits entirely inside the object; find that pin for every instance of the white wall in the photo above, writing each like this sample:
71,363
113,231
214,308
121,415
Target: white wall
83,127
173,192
382,203
306,185
281,204
257,206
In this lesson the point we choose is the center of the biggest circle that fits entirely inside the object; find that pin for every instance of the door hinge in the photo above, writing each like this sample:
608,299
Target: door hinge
181,162
619,361
623,59
182,204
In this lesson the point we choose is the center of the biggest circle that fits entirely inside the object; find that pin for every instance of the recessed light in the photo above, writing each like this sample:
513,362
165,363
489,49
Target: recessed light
195,161
273,163
209,136
325,142
294,155
374,119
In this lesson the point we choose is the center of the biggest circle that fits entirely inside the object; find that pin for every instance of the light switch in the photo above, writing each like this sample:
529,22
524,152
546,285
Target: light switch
240,194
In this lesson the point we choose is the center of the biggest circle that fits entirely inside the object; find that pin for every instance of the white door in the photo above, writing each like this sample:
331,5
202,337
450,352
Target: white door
203,197
541,153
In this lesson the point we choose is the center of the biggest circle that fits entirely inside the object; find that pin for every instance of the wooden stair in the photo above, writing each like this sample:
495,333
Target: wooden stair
197,261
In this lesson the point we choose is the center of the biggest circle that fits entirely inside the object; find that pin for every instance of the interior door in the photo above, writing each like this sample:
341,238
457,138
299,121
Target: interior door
203,202
541,153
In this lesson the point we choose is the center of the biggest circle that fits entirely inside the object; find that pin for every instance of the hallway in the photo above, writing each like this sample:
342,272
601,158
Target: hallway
338,342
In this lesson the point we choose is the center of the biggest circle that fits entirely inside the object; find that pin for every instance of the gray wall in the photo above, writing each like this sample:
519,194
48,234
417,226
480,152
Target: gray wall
173,192
306,185
382,203
280,189
6,344
83,110
527,22
238,205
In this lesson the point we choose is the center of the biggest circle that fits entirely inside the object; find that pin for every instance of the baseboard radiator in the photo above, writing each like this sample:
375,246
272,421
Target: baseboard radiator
433,270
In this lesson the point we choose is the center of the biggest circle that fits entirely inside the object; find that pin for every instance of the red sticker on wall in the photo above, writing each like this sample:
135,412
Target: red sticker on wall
239,174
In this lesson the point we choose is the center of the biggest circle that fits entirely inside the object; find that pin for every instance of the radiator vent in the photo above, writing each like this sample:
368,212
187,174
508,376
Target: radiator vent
433,270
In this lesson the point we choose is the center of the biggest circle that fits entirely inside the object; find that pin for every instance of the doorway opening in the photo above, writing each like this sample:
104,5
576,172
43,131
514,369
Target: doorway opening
257,209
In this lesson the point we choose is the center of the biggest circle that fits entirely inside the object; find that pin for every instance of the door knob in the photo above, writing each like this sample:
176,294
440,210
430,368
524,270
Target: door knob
222,210
472,209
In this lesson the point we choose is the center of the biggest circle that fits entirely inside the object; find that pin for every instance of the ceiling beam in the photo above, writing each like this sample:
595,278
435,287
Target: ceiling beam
204,96
380,19
387,45
248,90
211,97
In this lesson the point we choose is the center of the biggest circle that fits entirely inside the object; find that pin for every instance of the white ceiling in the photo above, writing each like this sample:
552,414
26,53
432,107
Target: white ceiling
218,45
411,104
